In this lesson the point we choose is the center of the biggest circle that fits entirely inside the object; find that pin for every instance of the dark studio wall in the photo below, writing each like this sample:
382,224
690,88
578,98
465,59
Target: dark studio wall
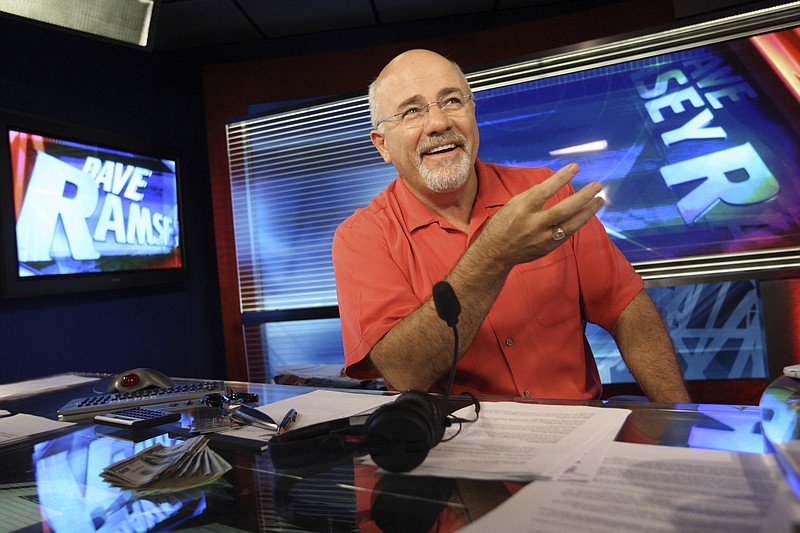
114,88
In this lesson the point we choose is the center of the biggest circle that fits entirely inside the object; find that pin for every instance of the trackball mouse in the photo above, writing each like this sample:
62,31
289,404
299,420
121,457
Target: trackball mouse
138,379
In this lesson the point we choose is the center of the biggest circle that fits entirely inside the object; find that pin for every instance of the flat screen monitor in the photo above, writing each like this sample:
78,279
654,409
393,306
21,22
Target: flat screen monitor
84,210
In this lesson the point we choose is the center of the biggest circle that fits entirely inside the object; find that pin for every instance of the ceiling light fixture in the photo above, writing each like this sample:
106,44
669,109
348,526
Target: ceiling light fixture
127,21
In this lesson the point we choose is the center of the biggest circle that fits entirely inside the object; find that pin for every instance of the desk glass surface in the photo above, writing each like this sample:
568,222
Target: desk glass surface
53,483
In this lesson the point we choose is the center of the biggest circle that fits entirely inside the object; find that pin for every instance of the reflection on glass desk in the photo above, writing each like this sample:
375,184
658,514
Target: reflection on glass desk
780,406
53,483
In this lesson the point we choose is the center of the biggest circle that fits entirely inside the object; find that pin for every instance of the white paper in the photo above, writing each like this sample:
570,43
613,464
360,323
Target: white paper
586,467
250,432
324,405
642,487
784,515
521,441
30,387
313,407
19,427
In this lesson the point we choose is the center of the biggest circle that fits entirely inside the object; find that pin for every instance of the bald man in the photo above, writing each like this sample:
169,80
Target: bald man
523,251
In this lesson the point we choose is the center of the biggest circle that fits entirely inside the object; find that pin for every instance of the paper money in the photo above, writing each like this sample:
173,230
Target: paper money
190,463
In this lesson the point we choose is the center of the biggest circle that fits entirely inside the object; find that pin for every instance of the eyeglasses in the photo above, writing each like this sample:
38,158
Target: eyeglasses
414,115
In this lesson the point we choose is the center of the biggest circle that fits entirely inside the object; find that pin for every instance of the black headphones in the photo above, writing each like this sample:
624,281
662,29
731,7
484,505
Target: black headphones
398,436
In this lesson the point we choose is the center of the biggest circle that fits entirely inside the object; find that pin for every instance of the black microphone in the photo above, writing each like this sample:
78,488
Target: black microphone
448,308
447,305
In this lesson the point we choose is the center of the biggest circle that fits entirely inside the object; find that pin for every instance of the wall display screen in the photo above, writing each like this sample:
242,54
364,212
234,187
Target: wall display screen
698,150
81,215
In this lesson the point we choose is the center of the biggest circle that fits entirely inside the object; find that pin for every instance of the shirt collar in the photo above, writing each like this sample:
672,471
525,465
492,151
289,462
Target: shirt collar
490,196
415,213
489,199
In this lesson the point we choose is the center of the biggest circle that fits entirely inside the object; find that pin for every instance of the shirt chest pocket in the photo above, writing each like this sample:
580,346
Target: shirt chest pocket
550,286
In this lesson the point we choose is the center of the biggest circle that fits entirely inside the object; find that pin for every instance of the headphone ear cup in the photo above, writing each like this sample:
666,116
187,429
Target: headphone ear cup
430,411
402,433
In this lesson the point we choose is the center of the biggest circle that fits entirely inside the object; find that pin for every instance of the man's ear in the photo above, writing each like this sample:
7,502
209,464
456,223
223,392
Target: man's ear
379,141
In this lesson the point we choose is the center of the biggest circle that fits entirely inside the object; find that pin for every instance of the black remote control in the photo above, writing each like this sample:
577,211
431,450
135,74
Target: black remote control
136,418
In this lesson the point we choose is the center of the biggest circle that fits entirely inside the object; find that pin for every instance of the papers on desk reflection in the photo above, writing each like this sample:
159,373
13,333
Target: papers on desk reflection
521,442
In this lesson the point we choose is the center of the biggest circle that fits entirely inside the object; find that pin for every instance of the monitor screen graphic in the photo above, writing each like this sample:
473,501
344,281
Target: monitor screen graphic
82,209
698,150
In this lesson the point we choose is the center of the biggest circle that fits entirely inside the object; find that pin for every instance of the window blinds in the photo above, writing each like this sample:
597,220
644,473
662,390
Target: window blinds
295,176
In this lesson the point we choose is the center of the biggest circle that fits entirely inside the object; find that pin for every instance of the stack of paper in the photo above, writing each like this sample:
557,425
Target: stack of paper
22,389
521,442
168,468
325,405
20,427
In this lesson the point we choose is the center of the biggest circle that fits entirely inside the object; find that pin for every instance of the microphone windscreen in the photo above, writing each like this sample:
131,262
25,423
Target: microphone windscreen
447,305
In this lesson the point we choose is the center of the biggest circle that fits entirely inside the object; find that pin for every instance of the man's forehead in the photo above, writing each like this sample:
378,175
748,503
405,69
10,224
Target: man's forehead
425,98
405,84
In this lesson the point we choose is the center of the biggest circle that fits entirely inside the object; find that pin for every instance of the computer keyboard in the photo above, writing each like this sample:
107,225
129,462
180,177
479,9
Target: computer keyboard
115,401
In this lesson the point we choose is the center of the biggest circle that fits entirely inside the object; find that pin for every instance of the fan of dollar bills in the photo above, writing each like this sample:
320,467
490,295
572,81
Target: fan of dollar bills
159,468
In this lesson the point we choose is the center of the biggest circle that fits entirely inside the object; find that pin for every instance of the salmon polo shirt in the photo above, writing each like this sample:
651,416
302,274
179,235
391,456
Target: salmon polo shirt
388,255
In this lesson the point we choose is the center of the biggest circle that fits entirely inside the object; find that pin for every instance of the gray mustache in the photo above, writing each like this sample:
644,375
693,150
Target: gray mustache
448,137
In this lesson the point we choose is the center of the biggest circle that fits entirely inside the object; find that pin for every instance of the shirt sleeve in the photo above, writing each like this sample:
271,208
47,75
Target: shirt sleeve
373,292
608,281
